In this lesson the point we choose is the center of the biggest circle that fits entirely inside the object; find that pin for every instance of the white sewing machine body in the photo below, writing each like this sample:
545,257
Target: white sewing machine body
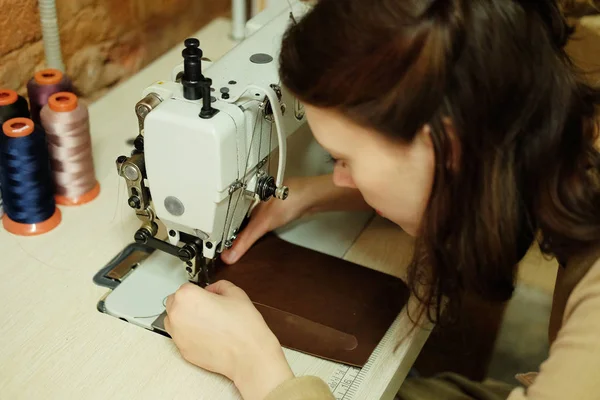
200,164
211,166
204,152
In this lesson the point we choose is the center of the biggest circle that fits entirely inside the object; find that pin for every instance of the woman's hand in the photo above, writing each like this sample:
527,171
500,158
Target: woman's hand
308,195
271,215
220,330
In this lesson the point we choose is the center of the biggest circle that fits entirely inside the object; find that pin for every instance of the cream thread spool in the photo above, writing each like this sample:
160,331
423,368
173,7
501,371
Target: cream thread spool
66,121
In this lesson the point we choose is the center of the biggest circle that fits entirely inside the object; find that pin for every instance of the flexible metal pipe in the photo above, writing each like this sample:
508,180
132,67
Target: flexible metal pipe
50,34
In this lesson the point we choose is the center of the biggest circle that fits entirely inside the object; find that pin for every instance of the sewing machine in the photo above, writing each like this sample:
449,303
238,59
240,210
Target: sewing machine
214,140
202,154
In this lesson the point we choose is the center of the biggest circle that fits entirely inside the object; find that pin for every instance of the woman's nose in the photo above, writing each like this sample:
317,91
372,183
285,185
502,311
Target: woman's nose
342,176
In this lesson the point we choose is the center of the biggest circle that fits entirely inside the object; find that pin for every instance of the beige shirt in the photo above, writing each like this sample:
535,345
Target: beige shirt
571,372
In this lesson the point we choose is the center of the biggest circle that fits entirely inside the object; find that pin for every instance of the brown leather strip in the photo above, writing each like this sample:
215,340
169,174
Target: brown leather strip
315,338
316,303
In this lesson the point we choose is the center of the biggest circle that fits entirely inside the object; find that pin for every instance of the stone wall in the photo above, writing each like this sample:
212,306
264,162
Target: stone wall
103,41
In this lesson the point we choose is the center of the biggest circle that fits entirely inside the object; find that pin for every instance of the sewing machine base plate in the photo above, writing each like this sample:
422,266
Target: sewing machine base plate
141,279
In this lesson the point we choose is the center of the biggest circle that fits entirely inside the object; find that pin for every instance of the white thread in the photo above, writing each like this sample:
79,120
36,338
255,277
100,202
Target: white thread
164,303
274,100
227,227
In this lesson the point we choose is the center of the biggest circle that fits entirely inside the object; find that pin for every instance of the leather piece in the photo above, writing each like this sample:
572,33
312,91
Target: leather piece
315,303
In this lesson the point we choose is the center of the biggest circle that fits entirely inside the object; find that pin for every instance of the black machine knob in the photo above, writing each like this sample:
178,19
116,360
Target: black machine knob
266,187
191,43
187,253
139,143
142,235
192,69
195,85
134,202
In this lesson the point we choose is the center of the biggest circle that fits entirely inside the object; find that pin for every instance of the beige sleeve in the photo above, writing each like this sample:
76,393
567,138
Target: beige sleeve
572,371
303,388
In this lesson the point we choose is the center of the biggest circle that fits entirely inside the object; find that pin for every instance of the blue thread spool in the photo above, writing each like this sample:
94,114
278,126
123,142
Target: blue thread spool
11,106
26,179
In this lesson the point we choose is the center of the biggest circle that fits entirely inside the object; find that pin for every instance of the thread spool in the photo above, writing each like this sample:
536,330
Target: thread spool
66,122
26,179
11,106
44,84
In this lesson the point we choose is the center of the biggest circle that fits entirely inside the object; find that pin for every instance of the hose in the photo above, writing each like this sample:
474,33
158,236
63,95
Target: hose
50,34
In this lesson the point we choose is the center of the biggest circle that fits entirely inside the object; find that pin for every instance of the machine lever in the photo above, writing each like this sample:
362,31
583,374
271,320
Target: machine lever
187,253
142,236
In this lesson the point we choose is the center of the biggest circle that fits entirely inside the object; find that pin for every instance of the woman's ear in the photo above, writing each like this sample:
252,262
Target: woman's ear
424,135
423,148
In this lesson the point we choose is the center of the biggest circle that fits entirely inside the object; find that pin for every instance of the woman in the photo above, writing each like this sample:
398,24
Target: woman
463,122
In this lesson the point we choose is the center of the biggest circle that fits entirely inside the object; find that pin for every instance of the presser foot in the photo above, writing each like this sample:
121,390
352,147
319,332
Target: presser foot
201,272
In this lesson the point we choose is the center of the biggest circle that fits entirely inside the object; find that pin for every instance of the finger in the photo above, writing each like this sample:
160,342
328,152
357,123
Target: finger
226,288
257,228
167,324
169,303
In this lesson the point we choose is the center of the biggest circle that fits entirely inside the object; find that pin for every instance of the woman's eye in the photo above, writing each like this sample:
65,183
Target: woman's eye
332,159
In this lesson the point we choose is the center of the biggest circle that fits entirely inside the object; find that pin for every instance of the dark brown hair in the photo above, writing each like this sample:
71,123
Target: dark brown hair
523,122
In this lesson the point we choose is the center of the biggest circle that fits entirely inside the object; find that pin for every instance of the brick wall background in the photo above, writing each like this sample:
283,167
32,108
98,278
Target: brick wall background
106,41
103,41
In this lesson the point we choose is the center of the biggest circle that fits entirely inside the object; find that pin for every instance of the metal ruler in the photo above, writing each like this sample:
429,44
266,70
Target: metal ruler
346,380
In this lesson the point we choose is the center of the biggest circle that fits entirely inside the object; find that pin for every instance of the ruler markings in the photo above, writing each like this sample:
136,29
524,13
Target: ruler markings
345,381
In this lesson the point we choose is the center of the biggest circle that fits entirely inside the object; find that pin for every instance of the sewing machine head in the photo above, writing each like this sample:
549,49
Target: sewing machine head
205,150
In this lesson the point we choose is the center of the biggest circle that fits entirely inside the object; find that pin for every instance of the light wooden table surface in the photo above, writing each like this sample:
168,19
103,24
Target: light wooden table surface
54,344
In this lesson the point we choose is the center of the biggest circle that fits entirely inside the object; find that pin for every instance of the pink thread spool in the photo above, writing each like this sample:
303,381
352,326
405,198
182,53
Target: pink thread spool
67,126
43,85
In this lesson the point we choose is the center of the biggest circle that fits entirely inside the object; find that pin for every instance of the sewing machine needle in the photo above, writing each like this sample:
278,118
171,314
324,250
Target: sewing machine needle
207,272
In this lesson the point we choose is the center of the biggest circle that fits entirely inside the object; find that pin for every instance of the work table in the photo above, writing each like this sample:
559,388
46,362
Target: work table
56,345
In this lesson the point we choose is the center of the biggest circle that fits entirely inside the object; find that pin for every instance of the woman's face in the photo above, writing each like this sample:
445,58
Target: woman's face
394,178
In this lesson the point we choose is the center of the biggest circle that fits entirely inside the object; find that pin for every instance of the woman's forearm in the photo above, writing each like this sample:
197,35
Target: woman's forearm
263,373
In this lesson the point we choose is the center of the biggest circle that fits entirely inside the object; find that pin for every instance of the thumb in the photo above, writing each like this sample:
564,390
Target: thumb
227,289
257,228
